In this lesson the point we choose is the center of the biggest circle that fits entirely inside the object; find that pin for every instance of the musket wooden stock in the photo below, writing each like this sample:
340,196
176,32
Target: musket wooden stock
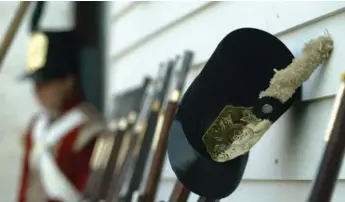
334,153
180,193
110,166
98,182
120,174
91,191
159,155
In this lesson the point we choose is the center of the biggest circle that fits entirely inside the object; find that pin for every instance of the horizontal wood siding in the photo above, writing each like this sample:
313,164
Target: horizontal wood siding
286,159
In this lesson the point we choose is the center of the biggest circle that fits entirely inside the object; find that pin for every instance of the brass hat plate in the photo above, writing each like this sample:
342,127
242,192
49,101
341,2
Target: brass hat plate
37,52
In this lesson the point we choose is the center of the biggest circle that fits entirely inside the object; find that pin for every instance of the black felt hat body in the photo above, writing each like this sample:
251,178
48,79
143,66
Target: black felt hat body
52,53
58,52
229,85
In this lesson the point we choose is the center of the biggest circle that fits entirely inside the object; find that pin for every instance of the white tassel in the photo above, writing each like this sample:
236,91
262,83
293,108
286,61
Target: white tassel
286,81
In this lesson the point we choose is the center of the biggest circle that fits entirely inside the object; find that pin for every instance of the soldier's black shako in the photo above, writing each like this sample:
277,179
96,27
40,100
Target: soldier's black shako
52,53
239,69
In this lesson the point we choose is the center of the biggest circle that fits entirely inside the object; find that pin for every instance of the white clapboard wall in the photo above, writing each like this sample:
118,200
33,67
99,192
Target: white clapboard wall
283,165
17,104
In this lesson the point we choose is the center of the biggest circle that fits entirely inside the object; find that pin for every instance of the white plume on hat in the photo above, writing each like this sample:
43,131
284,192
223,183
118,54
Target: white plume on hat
58,16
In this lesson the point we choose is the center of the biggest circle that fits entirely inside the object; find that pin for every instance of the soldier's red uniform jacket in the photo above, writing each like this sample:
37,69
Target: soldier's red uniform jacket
57,155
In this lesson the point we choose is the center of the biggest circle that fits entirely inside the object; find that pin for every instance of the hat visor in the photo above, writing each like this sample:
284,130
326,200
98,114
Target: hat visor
34,76
38,76
201,174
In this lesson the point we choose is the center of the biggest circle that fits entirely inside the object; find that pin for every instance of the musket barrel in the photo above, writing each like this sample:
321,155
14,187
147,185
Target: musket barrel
159,156
13,29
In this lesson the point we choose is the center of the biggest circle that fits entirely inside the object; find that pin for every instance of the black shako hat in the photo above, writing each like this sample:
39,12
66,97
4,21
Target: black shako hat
53,52
222,100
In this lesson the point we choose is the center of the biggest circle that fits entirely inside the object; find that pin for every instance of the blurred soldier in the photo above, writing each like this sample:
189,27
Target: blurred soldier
60,139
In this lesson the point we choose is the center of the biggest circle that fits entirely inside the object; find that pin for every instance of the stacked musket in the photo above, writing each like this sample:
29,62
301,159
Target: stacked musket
147,193
141,144
108,150
132,145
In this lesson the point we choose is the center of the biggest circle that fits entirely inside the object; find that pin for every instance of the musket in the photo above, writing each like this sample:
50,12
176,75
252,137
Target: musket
333,156
105,155
13,29
163,82
149,193
179,193
134,139
100,157
108,146
133,103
